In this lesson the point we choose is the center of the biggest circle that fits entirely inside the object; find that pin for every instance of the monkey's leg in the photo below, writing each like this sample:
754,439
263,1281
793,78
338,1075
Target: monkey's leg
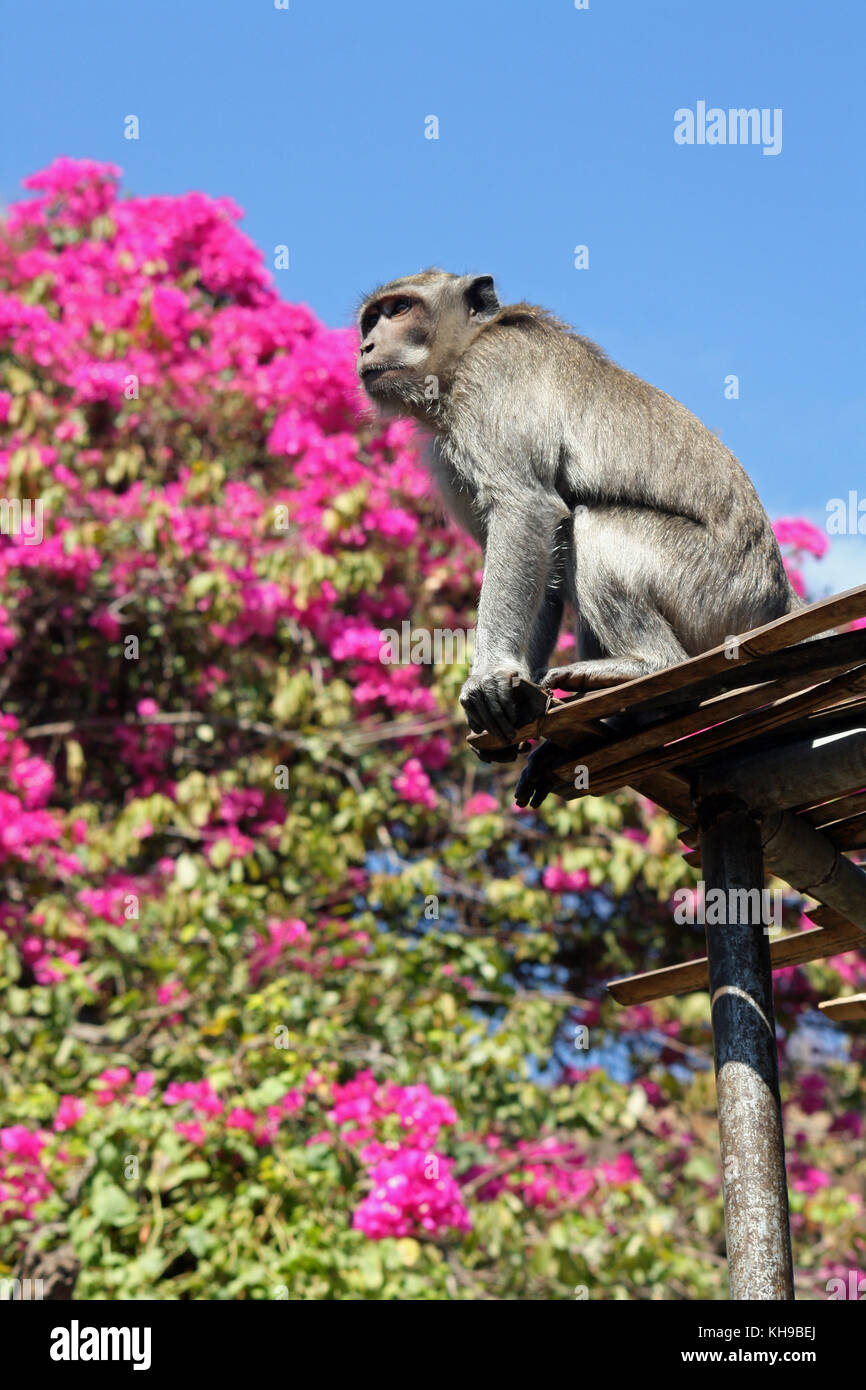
635,572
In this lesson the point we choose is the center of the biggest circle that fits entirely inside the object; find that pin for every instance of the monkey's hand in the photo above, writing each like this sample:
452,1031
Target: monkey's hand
500,701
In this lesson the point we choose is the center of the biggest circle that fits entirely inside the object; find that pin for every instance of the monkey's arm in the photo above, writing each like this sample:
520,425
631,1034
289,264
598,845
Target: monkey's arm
542,641
518,613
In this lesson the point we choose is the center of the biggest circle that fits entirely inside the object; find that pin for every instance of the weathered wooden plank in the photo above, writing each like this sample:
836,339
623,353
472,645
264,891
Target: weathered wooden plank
798,948
802,856
709,715
842,764
706,745
828,811
808,621
844,717
842,650
670,792
851,1009
847,834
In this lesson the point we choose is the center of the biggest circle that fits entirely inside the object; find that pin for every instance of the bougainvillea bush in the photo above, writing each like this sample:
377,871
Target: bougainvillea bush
294,1004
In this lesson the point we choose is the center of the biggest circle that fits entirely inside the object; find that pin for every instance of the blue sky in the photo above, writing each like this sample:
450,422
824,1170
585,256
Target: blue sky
555,129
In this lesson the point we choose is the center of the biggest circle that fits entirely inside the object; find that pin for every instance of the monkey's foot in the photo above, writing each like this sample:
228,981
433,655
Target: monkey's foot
593,675
538,776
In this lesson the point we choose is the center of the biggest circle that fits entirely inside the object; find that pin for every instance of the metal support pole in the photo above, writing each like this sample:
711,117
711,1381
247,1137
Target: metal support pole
744,1042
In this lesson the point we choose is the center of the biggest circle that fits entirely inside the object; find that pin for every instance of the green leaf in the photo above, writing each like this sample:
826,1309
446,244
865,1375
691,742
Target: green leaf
111,1206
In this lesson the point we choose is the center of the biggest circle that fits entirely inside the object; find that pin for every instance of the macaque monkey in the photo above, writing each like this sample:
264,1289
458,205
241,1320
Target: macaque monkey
580,481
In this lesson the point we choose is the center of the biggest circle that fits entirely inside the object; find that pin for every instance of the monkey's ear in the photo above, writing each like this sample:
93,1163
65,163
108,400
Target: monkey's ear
481,296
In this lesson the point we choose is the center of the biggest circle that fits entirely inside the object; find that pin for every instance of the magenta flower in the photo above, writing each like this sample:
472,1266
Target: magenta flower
69,1112
559,880
413,1193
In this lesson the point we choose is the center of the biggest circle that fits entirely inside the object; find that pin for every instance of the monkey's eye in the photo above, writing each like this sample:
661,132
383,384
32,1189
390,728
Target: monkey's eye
398,306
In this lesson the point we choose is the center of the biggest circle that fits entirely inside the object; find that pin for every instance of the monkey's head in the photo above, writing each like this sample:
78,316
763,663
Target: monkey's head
414,332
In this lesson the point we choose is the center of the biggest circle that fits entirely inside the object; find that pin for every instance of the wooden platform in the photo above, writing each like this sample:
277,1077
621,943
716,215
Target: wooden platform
764,697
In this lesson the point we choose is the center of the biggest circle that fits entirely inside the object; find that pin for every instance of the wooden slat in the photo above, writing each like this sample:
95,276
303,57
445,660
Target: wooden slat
823,916
847,834
705,745
851,1009
847,716
836,719
841,650
708,717
761,641
840,809
670,792
817,943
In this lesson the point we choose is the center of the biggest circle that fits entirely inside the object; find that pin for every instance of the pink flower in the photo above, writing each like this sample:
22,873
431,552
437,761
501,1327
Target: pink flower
172,991
69,1112
200,1095
191,1130
22,1142
115,1076
113,1080
413,1193
653,1090
23,1182
106,623
849,1122
552,1173
558,880
619,1173
812,1092
364,1104
481,804
281,935
239,1118
810,1181
413,785
800,534
292,1101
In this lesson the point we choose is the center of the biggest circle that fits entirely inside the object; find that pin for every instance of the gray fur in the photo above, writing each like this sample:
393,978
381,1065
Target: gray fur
581,482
